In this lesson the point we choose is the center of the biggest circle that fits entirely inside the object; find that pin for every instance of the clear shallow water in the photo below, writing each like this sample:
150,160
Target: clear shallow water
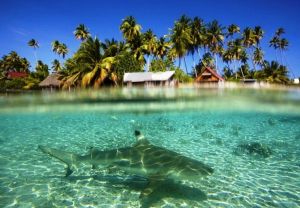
191,122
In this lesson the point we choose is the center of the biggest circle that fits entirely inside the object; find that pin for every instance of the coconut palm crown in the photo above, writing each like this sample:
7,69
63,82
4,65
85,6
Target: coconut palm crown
81,32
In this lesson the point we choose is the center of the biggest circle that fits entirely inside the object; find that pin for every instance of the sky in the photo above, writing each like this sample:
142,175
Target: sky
49,20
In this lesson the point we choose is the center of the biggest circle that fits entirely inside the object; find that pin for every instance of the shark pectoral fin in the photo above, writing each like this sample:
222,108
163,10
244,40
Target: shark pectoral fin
154,182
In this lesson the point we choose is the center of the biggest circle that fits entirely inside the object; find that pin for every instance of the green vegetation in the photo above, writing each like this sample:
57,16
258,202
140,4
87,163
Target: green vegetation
103,63
14,63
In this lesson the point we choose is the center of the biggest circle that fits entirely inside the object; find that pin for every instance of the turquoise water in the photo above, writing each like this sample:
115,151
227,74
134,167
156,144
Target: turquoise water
203,124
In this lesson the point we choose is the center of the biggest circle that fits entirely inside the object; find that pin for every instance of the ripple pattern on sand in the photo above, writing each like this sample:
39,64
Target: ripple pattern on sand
29,178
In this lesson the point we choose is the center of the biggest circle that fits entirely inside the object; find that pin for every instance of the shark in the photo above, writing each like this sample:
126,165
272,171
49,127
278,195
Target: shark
143,158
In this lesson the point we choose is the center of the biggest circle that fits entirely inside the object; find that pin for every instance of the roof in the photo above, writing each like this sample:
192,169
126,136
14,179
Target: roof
13,74
213,72
51,80
148,76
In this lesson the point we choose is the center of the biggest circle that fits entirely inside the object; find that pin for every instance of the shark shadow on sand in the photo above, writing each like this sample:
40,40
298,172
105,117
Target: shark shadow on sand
161,167
167,188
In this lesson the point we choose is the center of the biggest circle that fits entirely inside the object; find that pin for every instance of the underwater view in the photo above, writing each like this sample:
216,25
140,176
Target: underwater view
151,148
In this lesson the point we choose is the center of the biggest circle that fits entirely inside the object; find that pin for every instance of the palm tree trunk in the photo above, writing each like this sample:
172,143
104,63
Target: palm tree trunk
198,52
185,65
216,62
148,63
285,59
252,58
281,56
179,63
276,54
35,56
235,69
194,65
242,73
234,65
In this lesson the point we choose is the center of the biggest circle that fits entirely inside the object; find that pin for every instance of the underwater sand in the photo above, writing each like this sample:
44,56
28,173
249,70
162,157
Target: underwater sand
29,178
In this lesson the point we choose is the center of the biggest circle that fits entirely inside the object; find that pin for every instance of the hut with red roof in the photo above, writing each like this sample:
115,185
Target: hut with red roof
209,75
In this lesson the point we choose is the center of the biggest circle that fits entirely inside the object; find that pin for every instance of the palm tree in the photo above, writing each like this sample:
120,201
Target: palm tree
197,38
130,28
231,30
13,62
122,46
279,43
214,38
274,42
180,38
102,71
258,56
207,60
55,46
274,73
94,68
248,37
258,35
81,32
251,39
56,66
227,73
90,52
41,70
110,47
34,44
282,45
279,32
63,50
83,62
60,48
162,48
236,52
132,34
149,45
245,71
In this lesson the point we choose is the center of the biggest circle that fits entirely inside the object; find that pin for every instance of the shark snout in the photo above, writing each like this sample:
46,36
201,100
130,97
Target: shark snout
44,149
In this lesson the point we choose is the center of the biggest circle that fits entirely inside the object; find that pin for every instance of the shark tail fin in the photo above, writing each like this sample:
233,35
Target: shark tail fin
70,159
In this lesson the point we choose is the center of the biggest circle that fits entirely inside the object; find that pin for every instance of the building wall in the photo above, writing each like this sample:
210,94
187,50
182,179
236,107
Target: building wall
151,83
207,79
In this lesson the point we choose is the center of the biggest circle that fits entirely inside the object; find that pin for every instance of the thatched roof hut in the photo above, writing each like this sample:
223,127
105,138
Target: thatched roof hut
51,81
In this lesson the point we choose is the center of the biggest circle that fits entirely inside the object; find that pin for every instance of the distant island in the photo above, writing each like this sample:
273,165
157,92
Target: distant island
103,63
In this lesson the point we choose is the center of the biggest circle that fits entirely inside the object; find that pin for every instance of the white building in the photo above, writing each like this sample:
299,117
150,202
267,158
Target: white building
149,79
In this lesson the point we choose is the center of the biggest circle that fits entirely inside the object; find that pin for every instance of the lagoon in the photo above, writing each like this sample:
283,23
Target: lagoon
214,126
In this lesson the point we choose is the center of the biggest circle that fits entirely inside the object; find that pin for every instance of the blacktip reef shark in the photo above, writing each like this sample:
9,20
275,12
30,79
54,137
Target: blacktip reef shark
143,158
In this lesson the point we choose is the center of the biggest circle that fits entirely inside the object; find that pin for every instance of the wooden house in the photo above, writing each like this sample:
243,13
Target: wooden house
208,75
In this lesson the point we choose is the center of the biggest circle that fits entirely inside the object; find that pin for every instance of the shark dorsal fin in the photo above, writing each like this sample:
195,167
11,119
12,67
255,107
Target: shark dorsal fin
140,138
138,135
